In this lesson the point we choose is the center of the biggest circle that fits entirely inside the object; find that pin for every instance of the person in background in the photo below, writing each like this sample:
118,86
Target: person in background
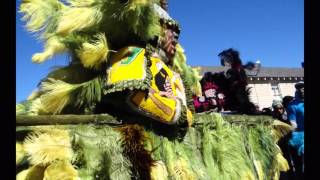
295,111
286,100
278,110
279,113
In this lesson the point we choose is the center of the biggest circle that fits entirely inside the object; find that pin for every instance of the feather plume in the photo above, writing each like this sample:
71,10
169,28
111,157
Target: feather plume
30,107
57,94
280,129
141,17
93,54
79,3
39,13
159,171
53,46
47,146
282,163
20,153
60,170
78,18
35,94
22,175
189,74
34,172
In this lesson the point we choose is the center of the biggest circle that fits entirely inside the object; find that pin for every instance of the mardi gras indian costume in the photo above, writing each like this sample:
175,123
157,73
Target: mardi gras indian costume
119,59
125,61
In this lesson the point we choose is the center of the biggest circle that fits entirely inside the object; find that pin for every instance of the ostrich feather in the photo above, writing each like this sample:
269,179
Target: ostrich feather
20,153
60,170
39,13
53,46
78,18
57,94
93,54
45,147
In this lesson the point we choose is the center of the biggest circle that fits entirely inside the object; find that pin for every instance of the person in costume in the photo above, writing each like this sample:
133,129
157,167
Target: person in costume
118,66
232,84
237,95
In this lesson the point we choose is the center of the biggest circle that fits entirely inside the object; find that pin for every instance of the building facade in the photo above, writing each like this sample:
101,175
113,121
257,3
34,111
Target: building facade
268,83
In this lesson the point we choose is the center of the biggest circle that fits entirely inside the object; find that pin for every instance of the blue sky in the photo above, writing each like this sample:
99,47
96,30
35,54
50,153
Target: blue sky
270,31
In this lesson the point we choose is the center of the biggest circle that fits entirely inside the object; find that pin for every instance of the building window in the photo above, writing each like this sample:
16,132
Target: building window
276,91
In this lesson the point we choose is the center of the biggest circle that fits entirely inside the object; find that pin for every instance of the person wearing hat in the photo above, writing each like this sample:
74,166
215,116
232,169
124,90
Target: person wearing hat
296,108
295,112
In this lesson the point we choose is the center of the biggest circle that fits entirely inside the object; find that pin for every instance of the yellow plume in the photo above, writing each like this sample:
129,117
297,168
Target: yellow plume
280,129
181,170
134,4
282,163
37,12
33,173
53,46
181,54
35,94
78,18
47,146
20,153
196,72
57,95
247,175
159,171
258,166
22,175
60,170
196,88
79,3
93,54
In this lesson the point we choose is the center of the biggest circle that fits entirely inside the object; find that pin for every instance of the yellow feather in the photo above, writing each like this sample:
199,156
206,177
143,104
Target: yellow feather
247,175
57,95
47,146
93,54
197,71
32,173
37,12
280,129
159,171
20,153
133,4
77,3
37,108
75,19
60,170
196,89
22,175
35,94
53,46
181,170
282,163
180,52
258,166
